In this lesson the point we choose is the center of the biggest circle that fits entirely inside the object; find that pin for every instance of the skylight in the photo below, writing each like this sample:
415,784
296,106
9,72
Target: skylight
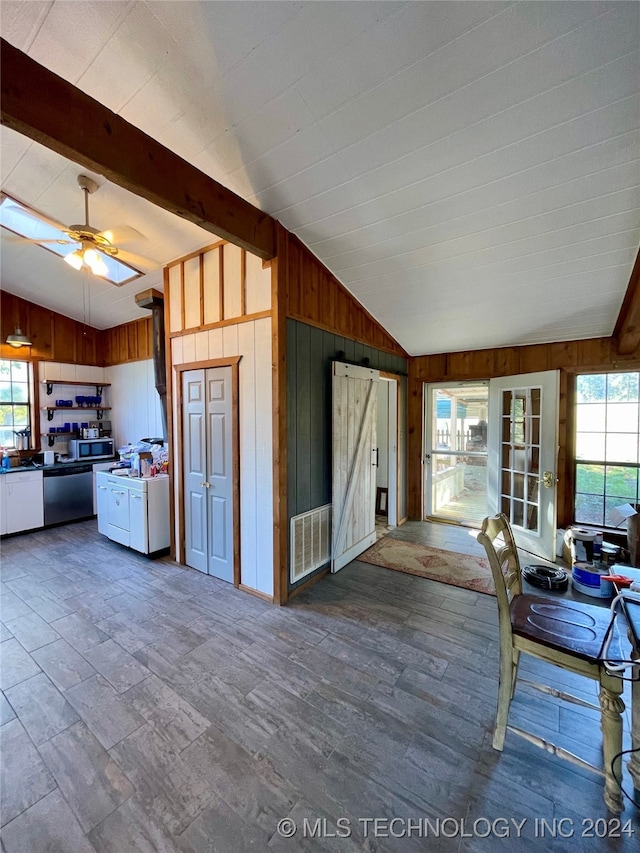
29,223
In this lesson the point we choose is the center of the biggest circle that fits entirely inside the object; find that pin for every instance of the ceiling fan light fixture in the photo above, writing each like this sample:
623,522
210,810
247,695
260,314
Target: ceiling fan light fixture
17,339
92,259
74,259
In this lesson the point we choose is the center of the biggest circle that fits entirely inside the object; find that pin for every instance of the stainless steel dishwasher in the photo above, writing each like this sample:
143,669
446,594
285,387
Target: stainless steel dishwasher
68,493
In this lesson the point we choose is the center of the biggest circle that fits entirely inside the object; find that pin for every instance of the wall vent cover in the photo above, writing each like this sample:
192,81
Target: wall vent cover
310,541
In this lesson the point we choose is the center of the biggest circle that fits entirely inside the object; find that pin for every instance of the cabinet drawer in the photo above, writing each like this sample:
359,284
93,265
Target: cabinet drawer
118,507
118,534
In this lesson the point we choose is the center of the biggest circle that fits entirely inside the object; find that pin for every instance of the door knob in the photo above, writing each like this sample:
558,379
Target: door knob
547,479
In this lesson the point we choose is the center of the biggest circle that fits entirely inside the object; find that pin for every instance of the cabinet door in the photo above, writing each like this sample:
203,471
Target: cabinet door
3,504
102,505
138,527
24,502
118,501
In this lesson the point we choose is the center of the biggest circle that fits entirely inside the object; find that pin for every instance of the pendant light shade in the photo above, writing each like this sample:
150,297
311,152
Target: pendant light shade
17,339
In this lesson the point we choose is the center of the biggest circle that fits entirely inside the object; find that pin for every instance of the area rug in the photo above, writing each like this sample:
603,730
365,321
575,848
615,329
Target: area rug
433,563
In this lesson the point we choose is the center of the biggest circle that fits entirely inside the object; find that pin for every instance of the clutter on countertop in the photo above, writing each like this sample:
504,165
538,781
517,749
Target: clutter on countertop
147,458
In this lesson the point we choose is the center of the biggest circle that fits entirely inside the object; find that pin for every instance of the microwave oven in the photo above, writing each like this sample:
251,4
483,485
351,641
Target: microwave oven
86,449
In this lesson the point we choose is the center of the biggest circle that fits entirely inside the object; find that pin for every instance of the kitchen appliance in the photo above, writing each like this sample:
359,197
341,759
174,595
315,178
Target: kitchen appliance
91,432
68,493
48,457
87,449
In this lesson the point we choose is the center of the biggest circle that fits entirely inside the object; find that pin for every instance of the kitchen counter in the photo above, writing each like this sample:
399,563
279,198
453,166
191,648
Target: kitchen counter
57,466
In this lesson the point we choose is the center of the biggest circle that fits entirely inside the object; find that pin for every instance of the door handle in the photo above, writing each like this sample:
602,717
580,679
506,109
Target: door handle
547,479
376,464
205,484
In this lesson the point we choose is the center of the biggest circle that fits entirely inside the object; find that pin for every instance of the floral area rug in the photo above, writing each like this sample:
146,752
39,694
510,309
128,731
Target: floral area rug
433,563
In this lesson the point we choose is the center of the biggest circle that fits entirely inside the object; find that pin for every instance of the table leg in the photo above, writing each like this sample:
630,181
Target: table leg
634,761
612,706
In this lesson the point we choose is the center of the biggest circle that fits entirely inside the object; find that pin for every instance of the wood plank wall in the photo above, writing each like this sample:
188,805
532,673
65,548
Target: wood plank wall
128,342
314,296
570,358
218,285
59,338
55,337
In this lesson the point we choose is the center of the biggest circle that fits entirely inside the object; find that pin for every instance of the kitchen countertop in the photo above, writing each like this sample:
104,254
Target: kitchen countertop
58,466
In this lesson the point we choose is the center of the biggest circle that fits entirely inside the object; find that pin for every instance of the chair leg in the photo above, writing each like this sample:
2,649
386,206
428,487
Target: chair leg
612,706
505,689
514,674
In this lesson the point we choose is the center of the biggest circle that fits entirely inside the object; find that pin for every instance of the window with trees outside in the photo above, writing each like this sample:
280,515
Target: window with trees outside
15,385
607,419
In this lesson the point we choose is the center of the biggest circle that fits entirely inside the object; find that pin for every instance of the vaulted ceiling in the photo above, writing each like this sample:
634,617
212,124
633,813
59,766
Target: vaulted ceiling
468,170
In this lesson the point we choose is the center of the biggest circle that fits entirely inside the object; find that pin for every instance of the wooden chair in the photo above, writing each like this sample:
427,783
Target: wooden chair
561,632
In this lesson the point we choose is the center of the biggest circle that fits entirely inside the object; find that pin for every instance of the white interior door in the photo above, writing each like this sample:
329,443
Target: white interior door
522,457
219,484
355,395
208,470
194,454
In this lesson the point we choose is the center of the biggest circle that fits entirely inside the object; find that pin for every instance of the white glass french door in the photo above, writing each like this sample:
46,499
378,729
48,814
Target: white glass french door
522,461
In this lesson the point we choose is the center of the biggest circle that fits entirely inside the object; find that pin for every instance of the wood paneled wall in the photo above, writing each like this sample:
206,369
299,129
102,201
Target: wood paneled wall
55,337
312,294
570,357
59,338
128,342
221,284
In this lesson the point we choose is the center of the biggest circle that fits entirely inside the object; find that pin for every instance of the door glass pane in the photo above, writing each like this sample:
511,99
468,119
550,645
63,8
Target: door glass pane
456,470
535,401
521,456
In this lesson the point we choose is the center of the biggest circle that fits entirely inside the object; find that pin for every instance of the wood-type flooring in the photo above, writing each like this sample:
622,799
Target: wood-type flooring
146,707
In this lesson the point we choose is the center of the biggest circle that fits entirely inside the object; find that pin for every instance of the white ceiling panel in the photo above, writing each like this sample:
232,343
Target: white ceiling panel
433,155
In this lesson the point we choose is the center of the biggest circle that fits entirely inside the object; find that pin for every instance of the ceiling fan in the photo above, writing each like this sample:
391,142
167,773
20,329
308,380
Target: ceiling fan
95,250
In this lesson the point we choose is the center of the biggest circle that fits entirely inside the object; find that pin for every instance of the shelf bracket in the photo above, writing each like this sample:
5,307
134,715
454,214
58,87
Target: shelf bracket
99,414
50,439
99,389
49,387
50,414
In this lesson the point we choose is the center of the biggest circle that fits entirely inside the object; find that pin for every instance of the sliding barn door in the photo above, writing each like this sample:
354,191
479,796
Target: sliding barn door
522,457
355,395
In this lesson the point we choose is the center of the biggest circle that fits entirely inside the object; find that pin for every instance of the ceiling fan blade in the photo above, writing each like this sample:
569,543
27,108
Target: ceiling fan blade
121,234
138,261
17,238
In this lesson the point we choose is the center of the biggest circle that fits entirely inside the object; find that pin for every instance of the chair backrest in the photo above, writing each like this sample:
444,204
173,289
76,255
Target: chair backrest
497,538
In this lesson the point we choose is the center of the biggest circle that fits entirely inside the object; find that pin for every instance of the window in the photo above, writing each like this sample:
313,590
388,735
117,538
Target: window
29,223
607,422
15,384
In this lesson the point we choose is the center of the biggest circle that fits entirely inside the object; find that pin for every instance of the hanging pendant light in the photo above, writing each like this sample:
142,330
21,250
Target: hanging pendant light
17,339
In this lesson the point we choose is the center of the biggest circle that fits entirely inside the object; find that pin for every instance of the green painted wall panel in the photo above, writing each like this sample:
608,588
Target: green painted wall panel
310,352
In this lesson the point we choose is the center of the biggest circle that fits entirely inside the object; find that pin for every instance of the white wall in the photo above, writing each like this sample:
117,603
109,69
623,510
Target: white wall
252,341
135,403
53,371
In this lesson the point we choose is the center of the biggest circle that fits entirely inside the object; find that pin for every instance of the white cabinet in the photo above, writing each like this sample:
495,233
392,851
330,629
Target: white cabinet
23,501
99,466
102,506
3,503
134,511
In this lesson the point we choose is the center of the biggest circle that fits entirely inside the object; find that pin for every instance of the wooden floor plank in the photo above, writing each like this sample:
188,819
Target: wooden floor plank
206,715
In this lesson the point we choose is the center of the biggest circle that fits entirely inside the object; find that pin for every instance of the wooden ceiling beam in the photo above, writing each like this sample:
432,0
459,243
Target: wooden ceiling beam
627,330
41,105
